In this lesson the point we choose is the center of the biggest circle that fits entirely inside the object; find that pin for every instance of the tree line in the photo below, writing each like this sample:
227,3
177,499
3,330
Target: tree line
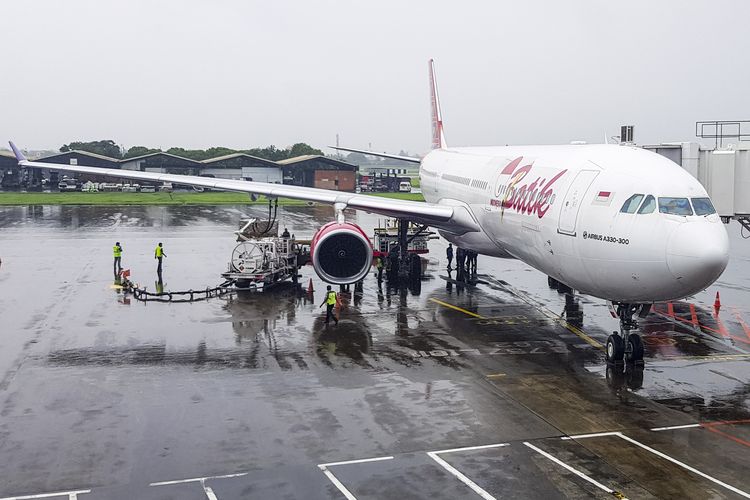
113,150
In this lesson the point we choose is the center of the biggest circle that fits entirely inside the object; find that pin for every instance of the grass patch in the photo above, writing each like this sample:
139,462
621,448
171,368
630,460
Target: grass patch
116,198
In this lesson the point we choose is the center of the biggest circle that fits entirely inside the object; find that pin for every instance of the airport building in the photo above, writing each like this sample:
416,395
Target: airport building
162,163
10,175
320,172
309,170
242,166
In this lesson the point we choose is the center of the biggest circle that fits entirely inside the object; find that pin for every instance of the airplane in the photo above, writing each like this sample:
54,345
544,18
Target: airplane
609,220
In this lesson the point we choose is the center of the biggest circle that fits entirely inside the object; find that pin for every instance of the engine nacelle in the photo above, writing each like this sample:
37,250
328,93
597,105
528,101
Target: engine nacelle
341,253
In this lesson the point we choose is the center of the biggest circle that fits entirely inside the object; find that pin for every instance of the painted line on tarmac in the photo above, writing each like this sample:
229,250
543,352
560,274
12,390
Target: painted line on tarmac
468,482
711,426
196,479
338,484
72,495
576,471
471,448
675,427
586,436
685,466
456,308
549,314
455,472
359,461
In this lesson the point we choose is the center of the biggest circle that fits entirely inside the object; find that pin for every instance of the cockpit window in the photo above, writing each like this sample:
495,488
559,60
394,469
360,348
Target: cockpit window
631,204
703,206
675,206
648,205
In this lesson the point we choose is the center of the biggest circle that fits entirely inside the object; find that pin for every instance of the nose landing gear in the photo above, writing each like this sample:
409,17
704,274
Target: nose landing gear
626,345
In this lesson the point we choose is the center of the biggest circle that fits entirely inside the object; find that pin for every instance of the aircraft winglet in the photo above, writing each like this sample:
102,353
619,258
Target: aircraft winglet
19,155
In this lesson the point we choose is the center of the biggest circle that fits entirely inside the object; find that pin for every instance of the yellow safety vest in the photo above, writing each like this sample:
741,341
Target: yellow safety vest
331,298
159,251
117,250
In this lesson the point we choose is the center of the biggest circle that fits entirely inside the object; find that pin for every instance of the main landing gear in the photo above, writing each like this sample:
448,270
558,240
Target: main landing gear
626,346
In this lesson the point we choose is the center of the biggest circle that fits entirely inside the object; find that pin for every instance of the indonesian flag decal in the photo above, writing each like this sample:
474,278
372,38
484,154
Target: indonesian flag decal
603,196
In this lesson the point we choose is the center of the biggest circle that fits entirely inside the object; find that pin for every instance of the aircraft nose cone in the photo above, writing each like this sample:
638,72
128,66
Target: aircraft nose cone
697,253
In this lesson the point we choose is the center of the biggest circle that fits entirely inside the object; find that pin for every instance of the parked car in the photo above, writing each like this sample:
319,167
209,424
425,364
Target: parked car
148,189
404,187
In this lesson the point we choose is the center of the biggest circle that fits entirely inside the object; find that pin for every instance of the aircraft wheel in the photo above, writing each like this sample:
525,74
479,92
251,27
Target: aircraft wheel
415,267
635,351
615,348
552,282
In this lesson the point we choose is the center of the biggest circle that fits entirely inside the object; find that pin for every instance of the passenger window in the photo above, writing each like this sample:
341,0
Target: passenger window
648,206
631,204
675,206
703,206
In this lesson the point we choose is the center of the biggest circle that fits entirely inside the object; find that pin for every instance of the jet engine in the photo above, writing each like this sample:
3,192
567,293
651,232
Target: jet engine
341,253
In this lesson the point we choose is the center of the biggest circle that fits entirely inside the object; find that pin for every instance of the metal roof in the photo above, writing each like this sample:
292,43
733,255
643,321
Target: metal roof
237,155
85,153
158,153
304,158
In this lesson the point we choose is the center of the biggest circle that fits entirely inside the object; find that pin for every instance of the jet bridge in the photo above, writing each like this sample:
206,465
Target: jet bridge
723,169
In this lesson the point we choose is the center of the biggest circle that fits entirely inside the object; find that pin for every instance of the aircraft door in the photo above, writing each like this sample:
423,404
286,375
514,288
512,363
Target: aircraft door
571,205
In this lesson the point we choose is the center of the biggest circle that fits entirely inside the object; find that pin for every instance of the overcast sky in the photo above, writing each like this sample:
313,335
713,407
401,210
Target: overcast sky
252,73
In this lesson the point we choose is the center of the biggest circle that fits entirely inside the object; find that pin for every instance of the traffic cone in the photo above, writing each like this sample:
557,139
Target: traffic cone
310,287
717,302
338,301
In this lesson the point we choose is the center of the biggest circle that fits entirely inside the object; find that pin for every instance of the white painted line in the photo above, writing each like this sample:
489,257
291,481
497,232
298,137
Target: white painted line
571,469
209,492
586,436
360,461
337,483
675,427
192,480
471,448
685,466
72,495
468,482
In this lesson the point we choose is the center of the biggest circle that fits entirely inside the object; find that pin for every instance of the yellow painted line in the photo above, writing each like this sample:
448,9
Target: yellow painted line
451,306
713,357
578,332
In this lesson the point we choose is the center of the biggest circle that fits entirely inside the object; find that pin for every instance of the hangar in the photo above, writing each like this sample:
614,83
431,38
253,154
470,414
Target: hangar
320,172
242,166
162,163
10,174
76,157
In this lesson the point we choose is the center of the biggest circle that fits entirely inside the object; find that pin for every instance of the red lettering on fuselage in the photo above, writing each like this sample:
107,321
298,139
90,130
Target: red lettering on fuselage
531,198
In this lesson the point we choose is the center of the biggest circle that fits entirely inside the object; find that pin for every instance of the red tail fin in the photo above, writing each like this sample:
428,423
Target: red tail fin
438,138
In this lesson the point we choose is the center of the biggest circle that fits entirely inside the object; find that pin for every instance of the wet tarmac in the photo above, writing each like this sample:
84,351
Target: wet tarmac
498,390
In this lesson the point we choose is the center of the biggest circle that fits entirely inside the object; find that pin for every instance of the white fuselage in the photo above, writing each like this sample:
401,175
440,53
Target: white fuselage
558,209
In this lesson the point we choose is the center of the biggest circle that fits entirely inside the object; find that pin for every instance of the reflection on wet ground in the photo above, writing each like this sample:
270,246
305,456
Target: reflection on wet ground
254,396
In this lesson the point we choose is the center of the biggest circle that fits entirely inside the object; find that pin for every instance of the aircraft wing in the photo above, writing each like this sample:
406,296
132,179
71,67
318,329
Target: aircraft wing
454,219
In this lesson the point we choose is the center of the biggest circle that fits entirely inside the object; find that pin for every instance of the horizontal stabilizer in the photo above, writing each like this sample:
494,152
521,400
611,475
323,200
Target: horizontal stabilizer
411,159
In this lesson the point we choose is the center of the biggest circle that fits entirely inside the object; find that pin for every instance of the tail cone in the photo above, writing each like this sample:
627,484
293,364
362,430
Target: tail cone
717,302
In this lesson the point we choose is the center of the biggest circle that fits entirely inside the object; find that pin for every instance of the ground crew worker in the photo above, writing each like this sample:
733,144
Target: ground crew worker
449,255
330,303
117,251
285,234
461,260
379,266
159,254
